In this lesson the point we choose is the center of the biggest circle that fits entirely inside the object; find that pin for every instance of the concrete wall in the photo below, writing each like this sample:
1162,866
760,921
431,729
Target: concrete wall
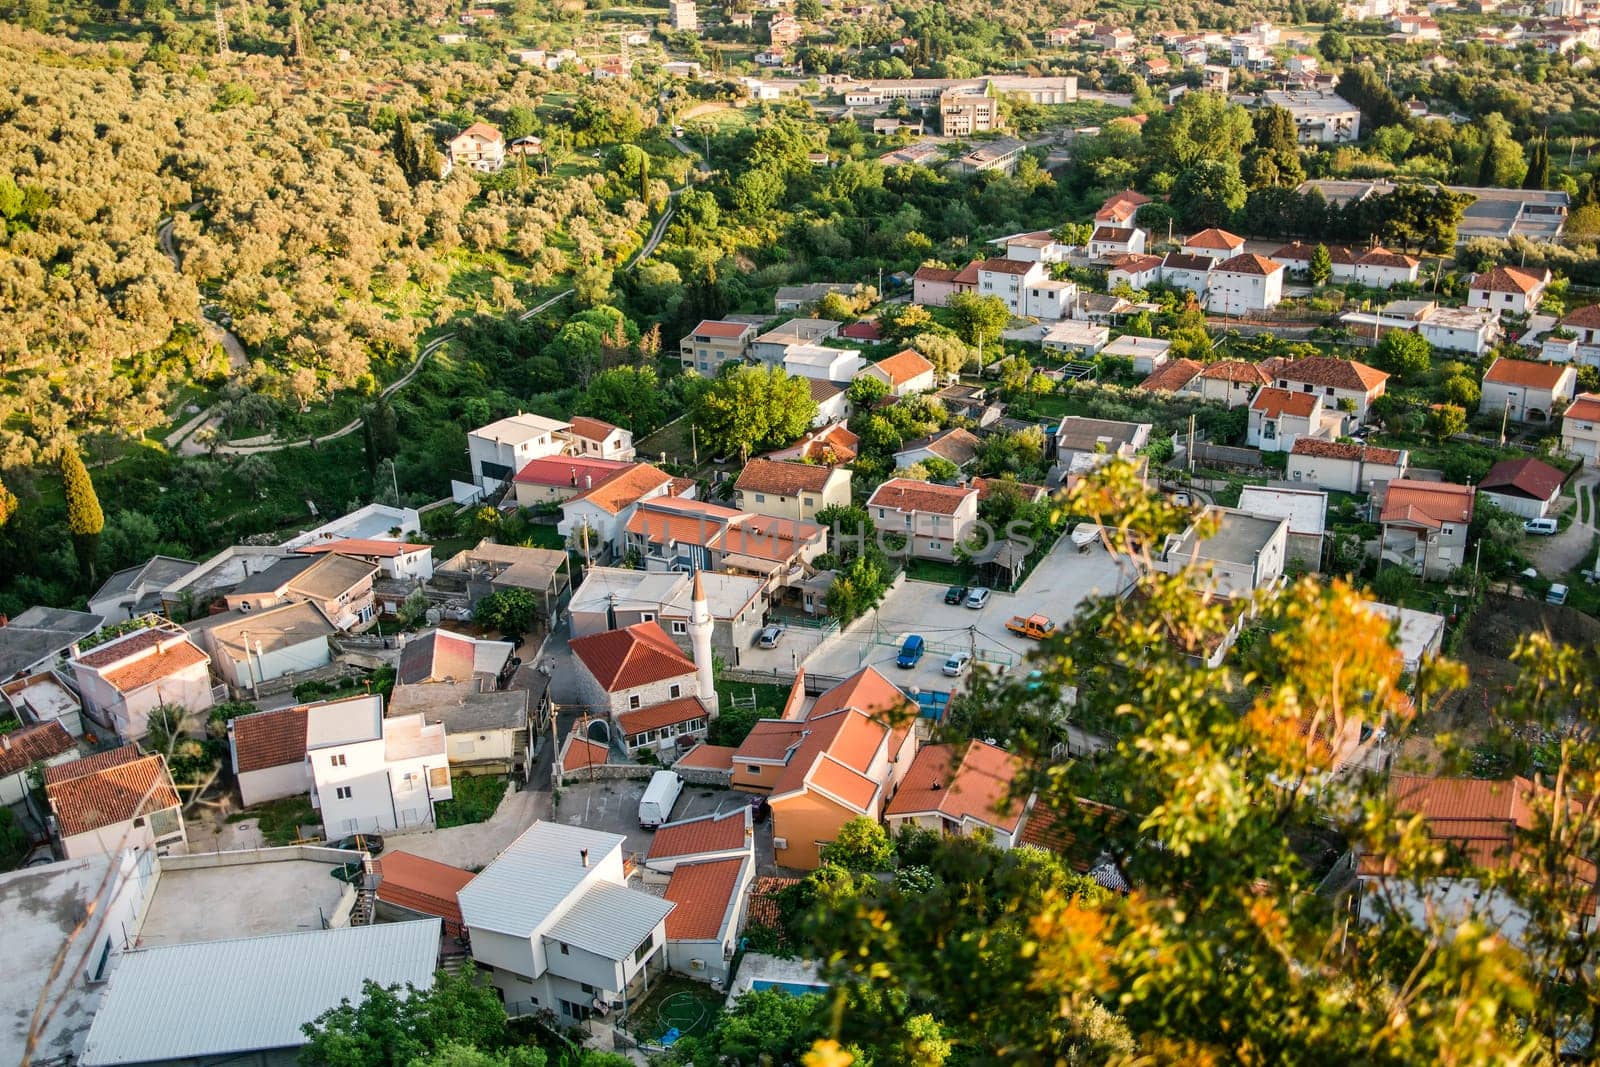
274,783
802,822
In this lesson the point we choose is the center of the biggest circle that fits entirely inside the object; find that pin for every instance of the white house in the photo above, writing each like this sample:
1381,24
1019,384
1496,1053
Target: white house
709,897
1580,427
1244,283
1191,273
123,680
502,448
371,522
599,439
968,793
1108,241
1527,487
907,372
821,363
1009,279
394,559
1213,244
1344,466
555,926
1134,271
1513,289
1075,339
1245,553
1582,323
135,591
1344,384
1425,526
479,146
1527,391
250,649
1306,510
114,800
371,774
1278,418
933,518
605,508
46,743
1145,353
268,753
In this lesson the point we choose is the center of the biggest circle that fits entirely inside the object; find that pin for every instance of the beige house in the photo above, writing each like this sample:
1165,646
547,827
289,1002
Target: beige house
479,146
126,678
791,490
1580,427
1344,466
932,518
112,801
340,585
715,342
1527,391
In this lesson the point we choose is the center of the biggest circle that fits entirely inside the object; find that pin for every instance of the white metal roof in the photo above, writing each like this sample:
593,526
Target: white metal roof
343,722
216,998
533,877
610,920
516,429
1306,509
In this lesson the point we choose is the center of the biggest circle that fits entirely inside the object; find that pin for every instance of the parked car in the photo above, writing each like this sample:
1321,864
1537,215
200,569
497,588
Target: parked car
371,844
955,594
1182,500
1556,595
769,636
957,665
911,652
655,807
1037,627
977,598
759,808
1540,527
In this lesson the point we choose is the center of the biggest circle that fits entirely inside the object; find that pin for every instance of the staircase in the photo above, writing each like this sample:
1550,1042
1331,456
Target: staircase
366,906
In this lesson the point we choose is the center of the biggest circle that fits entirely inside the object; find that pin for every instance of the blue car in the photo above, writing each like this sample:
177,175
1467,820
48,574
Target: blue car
911,651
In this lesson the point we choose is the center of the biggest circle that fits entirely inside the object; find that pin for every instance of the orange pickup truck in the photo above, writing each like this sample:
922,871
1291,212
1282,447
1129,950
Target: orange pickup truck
1037,627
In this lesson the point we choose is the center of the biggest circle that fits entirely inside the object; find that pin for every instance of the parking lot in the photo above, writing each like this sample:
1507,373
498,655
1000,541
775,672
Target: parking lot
1057,586
614,808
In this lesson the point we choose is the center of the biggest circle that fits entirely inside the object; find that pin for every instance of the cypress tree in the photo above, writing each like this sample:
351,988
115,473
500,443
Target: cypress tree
405,149
1538,176
85,520
8,504
1486,165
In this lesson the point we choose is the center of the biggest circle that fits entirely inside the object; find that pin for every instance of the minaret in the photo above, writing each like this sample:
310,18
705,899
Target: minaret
700,641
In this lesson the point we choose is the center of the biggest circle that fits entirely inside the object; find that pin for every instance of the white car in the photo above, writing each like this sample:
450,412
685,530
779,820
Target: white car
977,598
957,665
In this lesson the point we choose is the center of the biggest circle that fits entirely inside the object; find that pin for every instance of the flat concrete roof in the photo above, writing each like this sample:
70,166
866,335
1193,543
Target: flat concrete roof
1240,537
219,895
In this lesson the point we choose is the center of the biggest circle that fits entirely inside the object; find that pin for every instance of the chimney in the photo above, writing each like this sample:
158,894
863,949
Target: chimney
583,856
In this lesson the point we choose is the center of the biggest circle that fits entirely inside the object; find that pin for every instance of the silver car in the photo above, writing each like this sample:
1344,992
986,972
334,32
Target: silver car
769,636
977,598
957,665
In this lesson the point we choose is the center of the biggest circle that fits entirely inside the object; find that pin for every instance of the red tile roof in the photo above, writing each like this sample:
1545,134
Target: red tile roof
625,487
1429,504
1584,406
121,648
270,738
1007,266
702,893
903,494
577,472
1527,374
1134,262
935,274
581,753
1528,477
592,429
862,331
90,801
21,749
422,885
1120,207
784,479
904,366
1113,234
633,656
764,909
1509,280
1587,317
1048,829
1250,263
666,713
1330,371
1273,403
1214,238
978,786
1320,449
719,328
708,757
1185,261
1235,370
366,547
1172,376
696,837
154,666
99,761
769,739
437,656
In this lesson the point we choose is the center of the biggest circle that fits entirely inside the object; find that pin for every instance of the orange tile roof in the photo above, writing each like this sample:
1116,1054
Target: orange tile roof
764,903
1320,449
113,795
702,893
1117,234
1587,317
422,885
1249,263
1508,280
1172,376
1134,262
1273,403
977,786
785,479
121,648
769,739
935,274
1527,374
1429,504
581,753
1584,406
709,833
868,691
585,472
99,761
362,546
625,487
904,494
708,757
21,749
592,429
1215,238
666,713
845,783
1006,266
270,738
1331,371
904,365
721,328
154,666
1235,370
634,656
1382,257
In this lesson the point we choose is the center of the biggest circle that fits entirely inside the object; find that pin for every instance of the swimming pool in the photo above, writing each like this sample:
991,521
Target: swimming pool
794,989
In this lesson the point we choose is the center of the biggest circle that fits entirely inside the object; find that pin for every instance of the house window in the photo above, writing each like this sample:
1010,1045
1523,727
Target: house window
633,701
647,616
679,626
165,822
342,792
761,498
337,760
644,950
751,769
933,546
587,988
564,950
674,692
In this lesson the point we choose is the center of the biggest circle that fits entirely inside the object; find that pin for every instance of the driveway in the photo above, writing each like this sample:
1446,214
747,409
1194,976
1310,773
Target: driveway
614,807
1572,548
473,846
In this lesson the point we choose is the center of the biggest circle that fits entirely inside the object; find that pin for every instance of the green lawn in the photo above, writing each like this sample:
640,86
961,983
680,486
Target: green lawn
692,1007
932,570
476,798
281,819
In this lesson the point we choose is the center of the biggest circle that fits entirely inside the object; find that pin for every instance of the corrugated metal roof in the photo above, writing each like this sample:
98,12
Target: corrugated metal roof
528,881
610,920
221,997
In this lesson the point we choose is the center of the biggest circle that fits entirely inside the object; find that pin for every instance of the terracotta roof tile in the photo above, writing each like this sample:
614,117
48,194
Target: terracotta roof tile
1185,261
764,906
99,761
1134,262
720,328
1273,403
1049,829
1430,504
1531,477
1319,449
121,648
784,479
1114,234
693,837
977,786
1526,373
770,739
1330,371
21,749
110,796
634,656
935,274
1587,317
845,783
270,738
1007,266
708,757
904,366
702,893
1249,263
1215,238
1172,376
422,885
592,429
903,494
1235,370
576,472
1584,407
580,753
625,487
666,713
1509,280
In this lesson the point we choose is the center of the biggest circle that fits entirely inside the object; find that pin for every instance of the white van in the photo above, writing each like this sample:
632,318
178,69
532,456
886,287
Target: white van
1540,527
655,807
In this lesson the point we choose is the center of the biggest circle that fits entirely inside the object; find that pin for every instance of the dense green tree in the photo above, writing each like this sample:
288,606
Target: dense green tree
511,611
1334,46
1321,266
1538,176
1404,354
381,431
630,397
1445,421
394,1027
1200,126
979,319
85,520
1364,87
765,1026
754,408
8,504
861,845
1208,193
